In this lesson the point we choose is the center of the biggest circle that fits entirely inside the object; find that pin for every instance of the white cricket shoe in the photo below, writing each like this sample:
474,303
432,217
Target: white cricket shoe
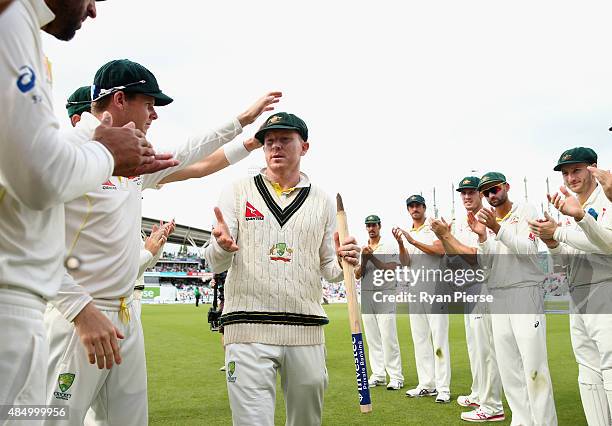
467,401
443,397
395,384
376,381
419,392
479,416
222,368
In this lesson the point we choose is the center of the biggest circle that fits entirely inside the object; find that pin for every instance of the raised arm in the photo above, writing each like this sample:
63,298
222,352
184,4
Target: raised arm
227,155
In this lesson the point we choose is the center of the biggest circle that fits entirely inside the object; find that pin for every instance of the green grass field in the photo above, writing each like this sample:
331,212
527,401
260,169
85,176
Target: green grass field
187,388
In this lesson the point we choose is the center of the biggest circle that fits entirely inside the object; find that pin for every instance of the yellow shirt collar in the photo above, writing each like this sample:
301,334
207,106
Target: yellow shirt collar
303,183
419,228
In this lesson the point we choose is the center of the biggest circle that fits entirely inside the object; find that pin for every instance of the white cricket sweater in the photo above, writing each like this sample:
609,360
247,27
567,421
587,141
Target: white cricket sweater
511,255
273,289
40,168
103,227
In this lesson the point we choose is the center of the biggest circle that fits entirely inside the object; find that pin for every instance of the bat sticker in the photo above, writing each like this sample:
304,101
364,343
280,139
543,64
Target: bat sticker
361,369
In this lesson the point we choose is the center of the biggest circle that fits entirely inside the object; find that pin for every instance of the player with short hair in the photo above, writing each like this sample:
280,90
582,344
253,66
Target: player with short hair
275,234
94,303
589,273
428,323
380,324
510,250
79,102
461,246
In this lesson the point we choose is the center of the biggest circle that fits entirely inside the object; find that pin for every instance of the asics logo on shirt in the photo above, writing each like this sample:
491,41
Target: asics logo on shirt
26,80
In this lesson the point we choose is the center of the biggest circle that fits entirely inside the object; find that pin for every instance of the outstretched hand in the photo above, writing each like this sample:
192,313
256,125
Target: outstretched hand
262,104
567,204
222,234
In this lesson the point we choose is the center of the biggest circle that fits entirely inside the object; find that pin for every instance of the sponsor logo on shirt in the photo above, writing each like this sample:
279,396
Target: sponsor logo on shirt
280,251
514,220
136,179
64,382
593,213
251,213
109,185
26,80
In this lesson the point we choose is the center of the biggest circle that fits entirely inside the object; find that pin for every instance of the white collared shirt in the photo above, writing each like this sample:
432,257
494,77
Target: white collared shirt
103,227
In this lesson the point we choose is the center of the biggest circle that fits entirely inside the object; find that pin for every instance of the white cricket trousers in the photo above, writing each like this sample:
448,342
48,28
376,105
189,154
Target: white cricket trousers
520,346
431,350
486,382
383,346
23,349
117,396
251,370
591,335
137,302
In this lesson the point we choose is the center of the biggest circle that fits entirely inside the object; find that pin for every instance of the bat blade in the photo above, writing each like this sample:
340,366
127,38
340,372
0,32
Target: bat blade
361,368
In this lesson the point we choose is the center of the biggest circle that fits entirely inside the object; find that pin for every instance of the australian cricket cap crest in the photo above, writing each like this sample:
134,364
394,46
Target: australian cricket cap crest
491,179
468,182
283,120
372,219
576,155
418,199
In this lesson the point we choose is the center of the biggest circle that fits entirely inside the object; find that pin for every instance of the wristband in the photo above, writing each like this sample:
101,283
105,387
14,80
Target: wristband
234,152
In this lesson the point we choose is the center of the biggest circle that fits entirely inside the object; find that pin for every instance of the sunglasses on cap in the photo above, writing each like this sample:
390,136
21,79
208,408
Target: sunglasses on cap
492,190
97,95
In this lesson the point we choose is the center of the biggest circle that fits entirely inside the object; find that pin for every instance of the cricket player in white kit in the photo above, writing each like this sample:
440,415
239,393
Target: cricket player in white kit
274,233
589,272
508,247
103,234
40,169
379,322
428,323
486,389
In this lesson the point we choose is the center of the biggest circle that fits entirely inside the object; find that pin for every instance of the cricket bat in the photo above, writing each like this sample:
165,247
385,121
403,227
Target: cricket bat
361,369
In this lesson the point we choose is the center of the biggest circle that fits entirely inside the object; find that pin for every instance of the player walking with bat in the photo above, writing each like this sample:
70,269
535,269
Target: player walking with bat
274,235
